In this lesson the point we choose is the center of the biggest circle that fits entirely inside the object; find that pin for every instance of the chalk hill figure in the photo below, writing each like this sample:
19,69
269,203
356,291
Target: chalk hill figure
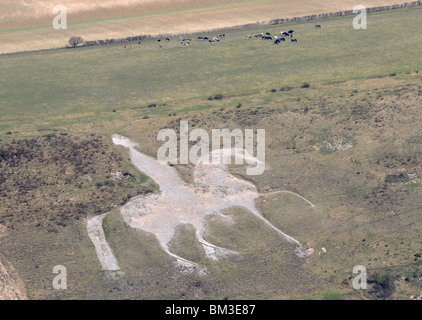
214,190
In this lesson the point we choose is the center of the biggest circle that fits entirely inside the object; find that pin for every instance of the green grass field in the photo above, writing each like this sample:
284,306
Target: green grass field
57,87
365,93
28,26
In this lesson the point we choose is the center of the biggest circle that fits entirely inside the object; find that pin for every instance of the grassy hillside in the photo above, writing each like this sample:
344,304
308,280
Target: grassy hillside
348,142
26,25
56,88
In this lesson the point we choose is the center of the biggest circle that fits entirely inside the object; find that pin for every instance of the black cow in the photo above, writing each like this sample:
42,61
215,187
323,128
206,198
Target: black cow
167,39
268,34
294,40
318,26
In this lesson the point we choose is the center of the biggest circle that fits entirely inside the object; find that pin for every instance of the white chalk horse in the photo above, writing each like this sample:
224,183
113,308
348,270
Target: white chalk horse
214,190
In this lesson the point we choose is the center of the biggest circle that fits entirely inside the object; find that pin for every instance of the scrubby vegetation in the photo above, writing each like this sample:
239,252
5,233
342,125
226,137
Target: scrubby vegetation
382,285
56,178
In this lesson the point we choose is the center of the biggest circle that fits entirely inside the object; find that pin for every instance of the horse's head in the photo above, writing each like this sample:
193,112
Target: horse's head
123,141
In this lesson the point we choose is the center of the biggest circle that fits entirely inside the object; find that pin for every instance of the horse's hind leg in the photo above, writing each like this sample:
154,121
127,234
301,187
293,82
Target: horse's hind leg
299,250
212,251
291,192
287,237
180,261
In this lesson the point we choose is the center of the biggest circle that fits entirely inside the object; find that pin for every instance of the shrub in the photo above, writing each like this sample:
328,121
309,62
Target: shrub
383,285
75,40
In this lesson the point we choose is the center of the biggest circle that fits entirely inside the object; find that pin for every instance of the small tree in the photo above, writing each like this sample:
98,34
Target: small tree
75,40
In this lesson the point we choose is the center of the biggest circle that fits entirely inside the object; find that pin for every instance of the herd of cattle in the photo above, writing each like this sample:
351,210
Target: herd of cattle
187,41
267,36
277,40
